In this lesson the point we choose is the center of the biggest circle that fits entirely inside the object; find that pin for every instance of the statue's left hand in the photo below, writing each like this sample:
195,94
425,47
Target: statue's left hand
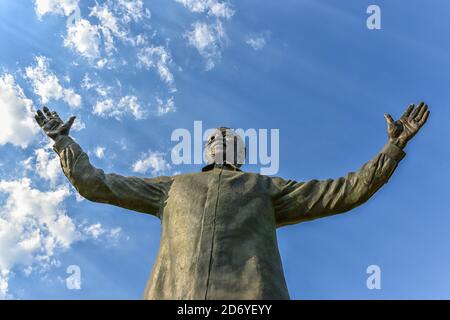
402,130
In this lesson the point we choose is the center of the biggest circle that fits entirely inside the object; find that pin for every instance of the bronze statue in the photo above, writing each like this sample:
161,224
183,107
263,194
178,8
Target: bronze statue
218,226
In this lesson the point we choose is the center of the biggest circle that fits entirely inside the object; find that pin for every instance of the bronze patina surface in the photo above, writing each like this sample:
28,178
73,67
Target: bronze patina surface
219,225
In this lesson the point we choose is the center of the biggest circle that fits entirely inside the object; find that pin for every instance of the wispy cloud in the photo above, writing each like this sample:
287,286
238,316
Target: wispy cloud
47,86
164,107
153,162
59,7
110,108
209,40
133,10
94,36
158,58
219,9
114,19
84,38
257,43
99,152
98,231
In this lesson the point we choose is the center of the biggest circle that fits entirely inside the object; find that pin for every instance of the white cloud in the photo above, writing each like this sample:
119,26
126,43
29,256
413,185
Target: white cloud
96,231
107,108
115,233
153,162
60,7
158,58
4,279
165,107
257,43
209,40
100,152
107,19
95,35
100,89
27,164
126,105
109,26
78,125
101,63
211,7
32,225
114,18
131,104
87,83
17,124
48,166
34,228
133,10
84,38
47,86
202,36
115,15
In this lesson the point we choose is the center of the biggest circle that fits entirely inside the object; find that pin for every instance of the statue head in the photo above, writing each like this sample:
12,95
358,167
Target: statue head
225,146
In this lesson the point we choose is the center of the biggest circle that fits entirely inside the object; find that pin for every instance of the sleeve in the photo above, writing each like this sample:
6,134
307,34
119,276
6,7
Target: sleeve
137,194
295,202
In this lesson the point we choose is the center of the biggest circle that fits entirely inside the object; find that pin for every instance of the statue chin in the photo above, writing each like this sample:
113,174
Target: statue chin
215,155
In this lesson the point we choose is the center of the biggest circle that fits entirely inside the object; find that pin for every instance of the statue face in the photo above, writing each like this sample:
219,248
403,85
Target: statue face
225,146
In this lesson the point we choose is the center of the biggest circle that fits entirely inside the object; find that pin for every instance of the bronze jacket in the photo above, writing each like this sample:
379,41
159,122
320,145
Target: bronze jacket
219,226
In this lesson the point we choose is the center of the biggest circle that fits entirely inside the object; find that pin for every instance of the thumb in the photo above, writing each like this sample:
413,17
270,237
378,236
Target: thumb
70,122
389,119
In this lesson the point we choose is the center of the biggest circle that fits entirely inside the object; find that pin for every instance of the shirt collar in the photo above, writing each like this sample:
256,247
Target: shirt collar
226,166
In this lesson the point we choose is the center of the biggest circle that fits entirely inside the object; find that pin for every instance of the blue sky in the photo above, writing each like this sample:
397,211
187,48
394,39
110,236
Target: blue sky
134,71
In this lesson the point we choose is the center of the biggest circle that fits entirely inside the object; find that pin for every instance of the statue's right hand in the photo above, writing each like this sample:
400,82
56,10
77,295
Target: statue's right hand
52,124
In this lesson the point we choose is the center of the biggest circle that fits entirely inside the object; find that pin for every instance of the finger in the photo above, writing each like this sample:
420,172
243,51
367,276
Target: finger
421,113
408,111
47,112
41,115
70,122
39,120
389,119
38,116
415,111
424,118
55,115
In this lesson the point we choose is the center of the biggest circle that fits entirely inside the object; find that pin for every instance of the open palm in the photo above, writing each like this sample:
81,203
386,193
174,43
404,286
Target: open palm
402,130
52,124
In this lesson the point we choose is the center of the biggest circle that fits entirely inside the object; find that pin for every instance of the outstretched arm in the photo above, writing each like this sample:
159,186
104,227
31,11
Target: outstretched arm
138,194
301,201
